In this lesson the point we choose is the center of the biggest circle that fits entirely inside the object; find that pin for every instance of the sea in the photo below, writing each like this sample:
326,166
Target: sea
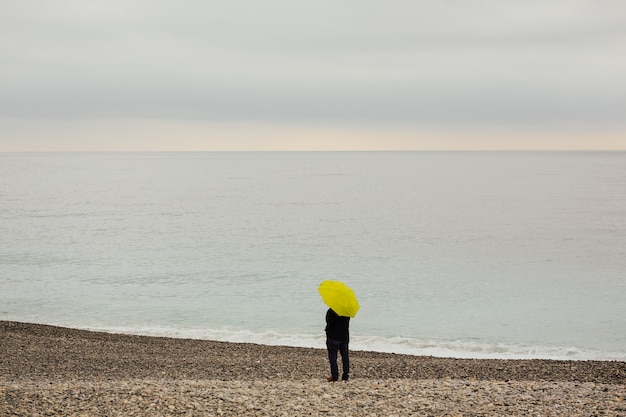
508,255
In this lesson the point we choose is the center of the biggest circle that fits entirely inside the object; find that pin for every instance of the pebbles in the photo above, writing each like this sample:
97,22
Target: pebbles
360,397
48,370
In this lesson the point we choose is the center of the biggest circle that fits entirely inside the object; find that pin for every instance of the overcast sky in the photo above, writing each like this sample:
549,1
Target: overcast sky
209,75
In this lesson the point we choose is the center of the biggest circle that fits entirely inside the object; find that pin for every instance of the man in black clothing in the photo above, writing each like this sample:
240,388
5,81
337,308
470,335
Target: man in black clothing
337,339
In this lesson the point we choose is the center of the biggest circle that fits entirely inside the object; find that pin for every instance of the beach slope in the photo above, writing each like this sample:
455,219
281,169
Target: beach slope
47,370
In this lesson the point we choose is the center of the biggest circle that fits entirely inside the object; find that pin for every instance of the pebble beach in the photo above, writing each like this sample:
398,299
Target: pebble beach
50,371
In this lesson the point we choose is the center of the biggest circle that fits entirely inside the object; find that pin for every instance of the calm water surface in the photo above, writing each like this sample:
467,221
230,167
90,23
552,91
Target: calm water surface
466,254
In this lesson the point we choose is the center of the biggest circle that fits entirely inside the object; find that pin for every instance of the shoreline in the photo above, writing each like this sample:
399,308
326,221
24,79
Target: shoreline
54,369
57,352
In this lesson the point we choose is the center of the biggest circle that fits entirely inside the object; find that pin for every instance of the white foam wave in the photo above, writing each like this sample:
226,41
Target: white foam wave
469,349
475,349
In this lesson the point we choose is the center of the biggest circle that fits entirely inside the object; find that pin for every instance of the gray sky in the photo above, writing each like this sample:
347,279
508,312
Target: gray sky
187,75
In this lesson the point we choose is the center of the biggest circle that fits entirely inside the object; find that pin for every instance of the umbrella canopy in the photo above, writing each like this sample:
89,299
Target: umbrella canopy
339,297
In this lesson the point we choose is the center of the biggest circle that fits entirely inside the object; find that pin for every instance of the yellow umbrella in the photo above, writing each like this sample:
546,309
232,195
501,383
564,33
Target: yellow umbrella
339,297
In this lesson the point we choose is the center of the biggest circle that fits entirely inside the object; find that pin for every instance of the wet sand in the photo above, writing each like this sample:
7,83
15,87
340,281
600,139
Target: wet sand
46,370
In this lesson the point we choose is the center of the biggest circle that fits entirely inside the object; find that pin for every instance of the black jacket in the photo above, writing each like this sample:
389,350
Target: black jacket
337,326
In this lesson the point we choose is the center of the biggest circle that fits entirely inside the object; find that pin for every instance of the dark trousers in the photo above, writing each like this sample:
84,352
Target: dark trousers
335,346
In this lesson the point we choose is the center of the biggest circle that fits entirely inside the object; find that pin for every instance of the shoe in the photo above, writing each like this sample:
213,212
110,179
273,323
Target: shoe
331,379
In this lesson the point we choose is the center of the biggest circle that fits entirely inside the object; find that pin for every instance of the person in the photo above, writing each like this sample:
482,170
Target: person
337,339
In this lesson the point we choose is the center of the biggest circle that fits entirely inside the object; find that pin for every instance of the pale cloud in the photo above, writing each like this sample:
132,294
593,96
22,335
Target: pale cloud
549,68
